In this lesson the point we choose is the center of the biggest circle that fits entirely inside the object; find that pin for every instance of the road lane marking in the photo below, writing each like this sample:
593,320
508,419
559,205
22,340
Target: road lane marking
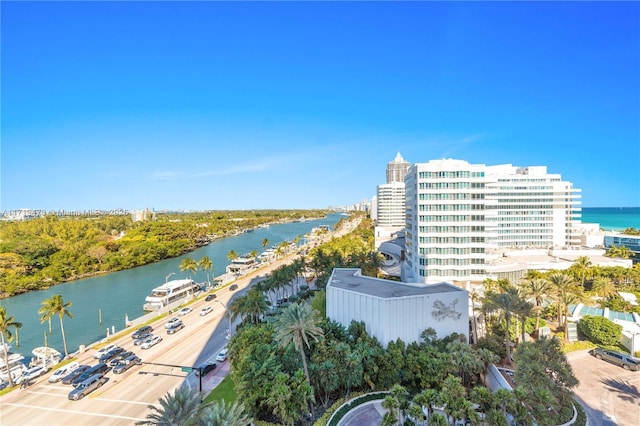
73,411
48,393
126,402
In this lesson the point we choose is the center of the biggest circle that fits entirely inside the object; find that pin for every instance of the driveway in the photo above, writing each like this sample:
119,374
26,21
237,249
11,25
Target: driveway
610,394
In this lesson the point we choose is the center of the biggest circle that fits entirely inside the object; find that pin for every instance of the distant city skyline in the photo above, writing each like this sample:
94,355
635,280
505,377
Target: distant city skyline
260,105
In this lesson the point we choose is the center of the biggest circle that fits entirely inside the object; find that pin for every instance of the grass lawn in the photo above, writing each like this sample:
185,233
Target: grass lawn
225,390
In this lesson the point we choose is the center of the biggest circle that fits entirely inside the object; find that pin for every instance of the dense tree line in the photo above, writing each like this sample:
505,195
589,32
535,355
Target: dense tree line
41,252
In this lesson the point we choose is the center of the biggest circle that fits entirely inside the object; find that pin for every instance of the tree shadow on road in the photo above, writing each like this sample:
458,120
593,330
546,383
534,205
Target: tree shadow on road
623,389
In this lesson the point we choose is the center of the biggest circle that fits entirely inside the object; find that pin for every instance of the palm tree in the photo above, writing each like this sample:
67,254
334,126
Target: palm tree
524,309
56,306
566,294
232,255
181,408
5,332
297,324
221,414
265,242
604,287
206,265
537,289
506,302
190,265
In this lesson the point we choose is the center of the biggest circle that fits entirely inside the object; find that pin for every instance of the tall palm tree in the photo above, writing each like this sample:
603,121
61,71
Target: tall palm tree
507,303
537,289
298,324
56,306
206,265
582,264
232,255
181,408
604,287
265,242
190,265
6,323
567,293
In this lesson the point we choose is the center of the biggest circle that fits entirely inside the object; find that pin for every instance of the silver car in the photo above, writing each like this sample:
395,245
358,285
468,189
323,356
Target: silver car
87,386
618,358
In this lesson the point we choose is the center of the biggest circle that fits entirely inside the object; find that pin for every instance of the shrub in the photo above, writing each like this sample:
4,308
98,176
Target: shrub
600,330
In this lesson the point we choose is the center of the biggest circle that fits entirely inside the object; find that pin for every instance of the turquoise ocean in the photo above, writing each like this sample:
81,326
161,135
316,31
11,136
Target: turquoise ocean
612,218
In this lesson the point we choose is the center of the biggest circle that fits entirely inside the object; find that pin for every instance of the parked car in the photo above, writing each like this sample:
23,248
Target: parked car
210,297
151,341
75,373
206,310
205,368
233,287
175,327
87,386
63,371
147,329
618,358
172,321
104,350
126,364
142,339
32,373
184,311
111,354
122,355
100,368
222,356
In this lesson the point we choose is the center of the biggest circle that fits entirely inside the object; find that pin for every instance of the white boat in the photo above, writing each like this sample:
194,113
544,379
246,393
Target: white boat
169,292
239,265
16,366
45,356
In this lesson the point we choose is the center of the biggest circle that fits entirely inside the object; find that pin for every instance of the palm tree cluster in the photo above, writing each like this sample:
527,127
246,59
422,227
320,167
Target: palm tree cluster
205,264
6,324
184,408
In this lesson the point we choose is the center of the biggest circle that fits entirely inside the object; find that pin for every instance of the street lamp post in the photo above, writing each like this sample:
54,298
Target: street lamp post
166,280
228,318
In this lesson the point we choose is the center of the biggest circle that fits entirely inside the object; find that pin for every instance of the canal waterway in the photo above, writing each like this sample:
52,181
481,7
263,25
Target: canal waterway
118,295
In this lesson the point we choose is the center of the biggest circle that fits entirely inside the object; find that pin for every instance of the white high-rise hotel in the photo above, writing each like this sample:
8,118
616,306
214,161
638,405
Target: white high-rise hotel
459,215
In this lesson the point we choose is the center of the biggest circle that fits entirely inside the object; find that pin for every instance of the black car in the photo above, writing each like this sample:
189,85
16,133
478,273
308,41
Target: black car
233,287
205,368
100,368
210,297
111,355
75,373
147,329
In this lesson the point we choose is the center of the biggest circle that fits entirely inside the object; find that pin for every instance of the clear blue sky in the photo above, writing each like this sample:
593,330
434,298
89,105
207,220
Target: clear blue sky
211,105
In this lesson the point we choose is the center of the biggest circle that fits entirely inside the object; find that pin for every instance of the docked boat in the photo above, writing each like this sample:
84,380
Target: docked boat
168,293
45,356
16,367
242,264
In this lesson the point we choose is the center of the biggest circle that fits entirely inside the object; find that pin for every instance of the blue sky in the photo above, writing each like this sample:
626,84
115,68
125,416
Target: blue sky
213,105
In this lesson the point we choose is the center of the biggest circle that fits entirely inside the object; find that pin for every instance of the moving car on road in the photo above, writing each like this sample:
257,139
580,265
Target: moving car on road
140,340
87,386
210,297
126,364
100,368
206,310
618,358
222,356
147,329
111,354
75,373
184,311
175,327
104,350
172,321
32,373
151,341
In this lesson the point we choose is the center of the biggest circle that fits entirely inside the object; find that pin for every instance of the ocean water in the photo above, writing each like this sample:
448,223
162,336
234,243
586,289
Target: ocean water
612,218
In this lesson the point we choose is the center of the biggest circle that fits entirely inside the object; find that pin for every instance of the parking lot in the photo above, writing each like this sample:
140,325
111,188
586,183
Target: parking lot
610,394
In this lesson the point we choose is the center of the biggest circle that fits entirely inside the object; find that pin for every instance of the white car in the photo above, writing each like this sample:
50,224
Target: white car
222,356
32,373
63,371
104,350
206,310
173,321
184,311
151,341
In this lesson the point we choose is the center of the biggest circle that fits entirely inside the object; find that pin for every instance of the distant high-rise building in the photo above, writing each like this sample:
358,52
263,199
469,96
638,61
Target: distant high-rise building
391,208
458,215
397,169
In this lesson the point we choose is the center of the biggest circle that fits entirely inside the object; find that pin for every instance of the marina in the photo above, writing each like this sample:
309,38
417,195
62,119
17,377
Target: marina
104,304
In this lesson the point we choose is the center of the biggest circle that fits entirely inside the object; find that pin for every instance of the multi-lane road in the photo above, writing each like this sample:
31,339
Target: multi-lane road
124,399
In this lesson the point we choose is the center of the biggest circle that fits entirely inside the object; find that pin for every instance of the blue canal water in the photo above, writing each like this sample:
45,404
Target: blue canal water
119,294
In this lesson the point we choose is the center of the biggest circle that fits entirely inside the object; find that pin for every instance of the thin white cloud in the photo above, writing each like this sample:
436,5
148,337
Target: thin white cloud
451,145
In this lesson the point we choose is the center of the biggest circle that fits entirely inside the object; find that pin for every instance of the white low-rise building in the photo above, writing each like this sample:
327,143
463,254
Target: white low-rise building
392,310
